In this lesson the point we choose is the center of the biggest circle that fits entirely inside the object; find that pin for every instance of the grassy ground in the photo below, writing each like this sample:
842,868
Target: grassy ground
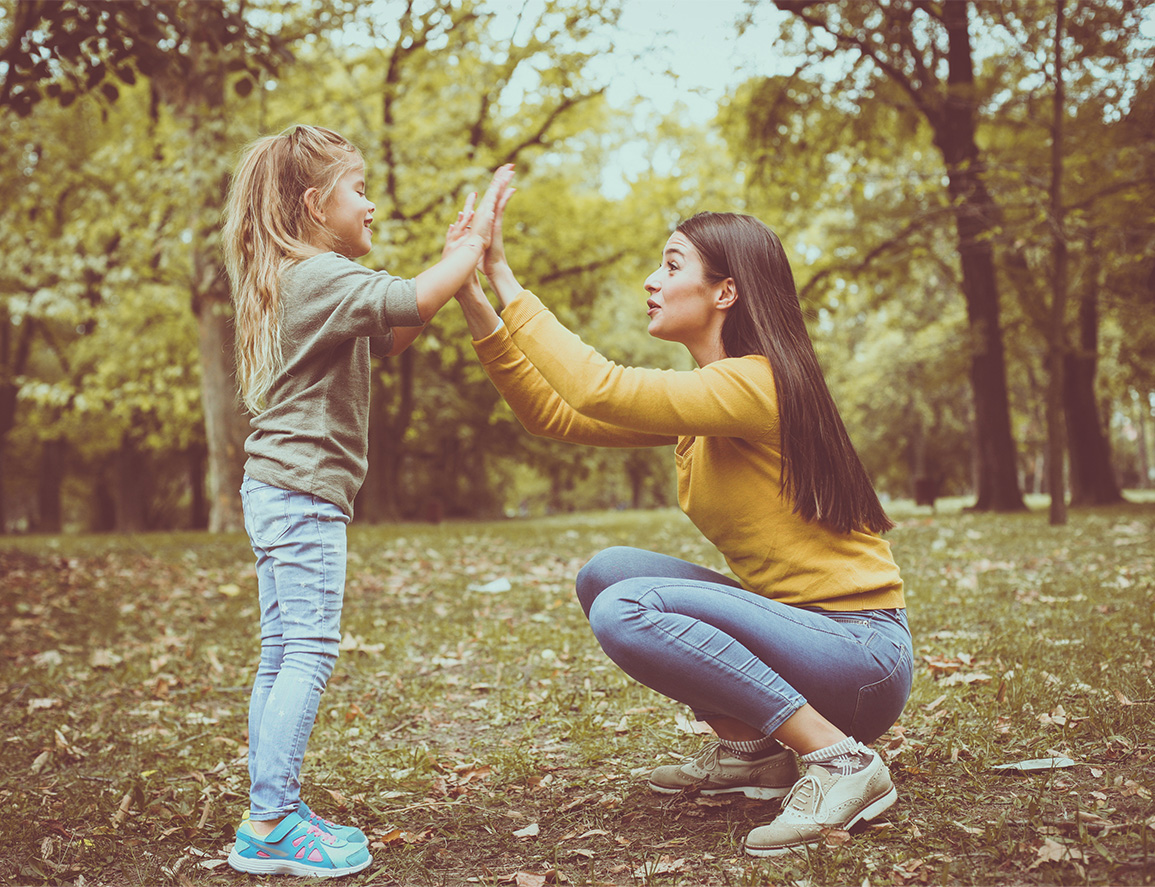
480,736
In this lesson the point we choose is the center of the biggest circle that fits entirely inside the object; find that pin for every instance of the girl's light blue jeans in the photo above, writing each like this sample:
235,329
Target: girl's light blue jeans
698,637
300,545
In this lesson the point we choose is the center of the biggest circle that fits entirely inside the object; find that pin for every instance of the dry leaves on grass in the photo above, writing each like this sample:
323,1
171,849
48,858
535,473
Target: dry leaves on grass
1052,851
664,865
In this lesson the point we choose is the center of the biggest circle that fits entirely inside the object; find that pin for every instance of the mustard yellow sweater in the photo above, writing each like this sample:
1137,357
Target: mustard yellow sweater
723,421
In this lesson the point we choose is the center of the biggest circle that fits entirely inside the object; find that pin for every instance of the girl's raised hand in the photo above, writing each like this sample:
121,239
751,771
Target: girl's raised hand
459,230
486,212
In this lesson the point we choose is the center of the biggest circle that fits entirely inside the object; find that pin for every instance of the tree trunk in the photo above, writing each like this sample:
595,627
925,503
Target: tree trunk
383,491
1142,443
225,425
131,488
1092,476
50,512
1057,328
198,502
975,213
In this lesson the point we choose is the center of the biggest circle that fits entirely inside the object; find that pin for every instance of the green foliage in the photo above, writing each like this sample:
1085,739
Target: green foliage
109,216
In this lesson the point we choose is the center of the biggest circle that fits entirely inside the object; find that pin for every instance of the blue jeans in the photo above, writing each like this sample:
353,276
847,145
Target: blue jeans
698,637
299,541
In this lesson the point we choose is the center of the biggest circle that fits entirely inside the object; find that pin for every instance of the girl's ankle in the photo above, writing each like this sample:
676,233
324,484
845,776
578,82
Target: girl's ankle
264,827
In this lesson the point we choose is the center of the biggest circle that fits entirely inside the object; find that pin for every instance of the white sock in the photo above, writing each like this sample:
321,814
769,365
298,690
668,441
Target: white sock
844,757
751,749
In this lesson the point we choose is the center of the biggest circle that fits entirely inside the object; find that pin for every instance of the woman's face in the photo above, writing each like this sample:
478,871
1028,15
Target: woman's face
682,306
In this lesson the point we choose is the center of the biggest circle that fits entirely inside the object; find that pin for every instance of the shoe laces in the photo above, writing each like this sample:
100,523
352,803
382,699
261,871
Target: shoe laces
707,757
807,792
326,838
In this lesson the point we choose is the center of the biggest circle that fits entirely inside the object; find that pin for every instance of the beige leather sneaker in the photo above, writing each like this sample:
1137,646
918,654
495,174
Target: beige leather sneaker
712,771
824,800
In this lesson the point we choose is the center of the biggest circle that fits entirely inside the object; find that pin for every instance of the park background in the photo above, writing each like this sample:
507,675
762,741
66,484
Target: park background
965,192
969,214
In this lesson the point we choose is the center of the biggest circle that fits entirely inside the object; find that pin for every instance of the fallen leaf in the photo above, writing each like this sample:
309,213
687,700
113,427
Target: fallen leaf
530,831
1053,851
397,836
663,866
103,659
835,837
697,728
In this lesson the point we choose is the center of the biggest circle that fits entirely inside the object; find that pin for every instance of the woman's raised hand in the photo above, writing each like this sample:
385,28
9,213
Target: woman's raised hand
494,257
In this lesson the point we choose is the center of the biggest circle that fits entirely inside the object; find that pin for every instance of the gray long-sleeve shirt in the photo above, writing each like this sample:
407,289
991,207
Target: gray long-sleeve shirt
313,435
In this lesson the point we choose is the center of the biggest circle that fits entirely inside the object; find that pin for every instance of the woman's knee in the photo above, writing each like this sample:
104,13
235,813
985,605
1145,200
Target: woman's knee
600,572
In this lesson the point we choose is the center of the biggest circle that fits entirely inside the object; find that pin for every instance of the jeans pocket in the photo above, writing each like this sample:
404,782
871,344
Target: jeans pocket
266,512
881,703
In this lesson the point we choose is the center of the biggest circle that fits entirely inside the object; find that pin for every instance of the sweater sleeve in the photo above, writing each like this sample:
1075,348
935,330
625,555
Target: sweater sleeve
732,397
539,408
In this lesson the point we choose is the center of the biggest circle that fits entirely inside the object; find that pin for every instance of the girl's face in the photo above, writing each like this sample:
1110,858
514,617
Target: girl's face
348,215
682,306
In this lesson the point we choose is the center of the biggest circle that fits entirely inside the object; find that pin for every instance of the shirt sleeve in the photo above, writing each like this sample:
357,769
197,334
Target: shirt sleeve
732,397
539,408
340,299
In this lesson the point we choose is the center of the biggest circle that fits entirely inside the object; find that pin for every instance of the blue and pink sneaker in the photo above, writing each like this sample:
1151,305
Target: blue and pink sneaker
296,847
349,833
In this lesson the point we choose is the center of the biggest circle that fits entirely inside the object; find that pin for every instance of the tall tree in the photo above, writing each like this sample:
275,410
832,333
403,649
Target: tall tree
193,50
912,43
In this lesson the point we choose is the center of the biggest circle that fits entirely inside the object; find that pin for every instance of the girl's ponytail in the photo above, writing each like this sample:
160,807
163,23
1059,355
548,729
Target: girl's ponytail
267,227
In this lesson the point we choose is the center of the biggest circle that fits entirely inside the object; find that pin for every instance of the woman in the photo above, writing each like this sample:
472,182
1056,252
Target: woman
807,652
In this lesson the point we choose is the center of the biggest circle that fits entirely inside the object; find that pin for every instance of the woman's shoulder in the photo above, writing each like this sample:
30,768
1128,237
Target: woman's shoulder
749,366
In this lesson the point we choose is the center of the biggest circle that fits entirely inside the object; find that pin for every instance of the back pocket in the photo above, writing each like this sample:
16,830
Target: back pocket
266,512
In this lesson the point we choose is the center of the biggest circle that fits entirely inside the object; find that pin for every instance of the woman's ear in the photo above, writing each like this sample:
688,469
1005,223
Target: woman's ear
311,205
727,294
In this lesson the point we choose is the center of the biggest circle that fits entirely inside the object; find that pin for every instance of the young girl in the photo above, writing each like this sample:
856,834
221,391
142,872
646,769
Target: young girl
295,218
808,651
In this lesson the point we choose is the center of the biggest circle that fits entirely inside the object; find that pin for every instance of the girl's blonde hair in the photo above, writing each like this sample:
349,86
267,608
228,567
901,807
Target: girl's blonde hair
267,227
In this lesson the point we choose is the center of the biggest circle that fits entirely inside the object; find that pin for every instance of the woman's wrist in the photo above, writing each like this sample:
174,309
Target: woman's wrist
503,282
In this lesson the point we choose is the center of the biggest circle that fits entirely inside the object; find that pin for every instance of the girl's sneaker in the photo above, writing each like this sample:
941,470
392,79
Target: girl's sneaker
296,847
349,833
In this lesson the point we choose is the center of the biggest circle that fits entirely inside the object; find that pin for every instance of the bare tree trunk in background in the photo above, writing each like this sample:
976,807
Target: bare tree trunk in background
1093,479
975,218
225,425
1057,328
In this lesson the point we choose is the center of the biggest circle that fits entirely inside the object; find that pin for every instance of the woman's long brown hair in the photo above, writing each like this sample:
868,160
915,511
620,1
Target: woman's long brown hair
821,471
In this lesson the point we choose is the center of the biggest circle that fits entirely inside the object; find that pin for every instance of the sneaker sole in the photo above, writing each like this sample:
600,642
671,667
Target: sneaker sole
865,815
290,867
754,792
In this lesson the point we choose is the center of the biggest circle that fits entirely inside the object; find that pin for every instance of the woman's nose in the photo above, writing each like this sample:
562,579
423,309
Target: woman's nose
650,285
